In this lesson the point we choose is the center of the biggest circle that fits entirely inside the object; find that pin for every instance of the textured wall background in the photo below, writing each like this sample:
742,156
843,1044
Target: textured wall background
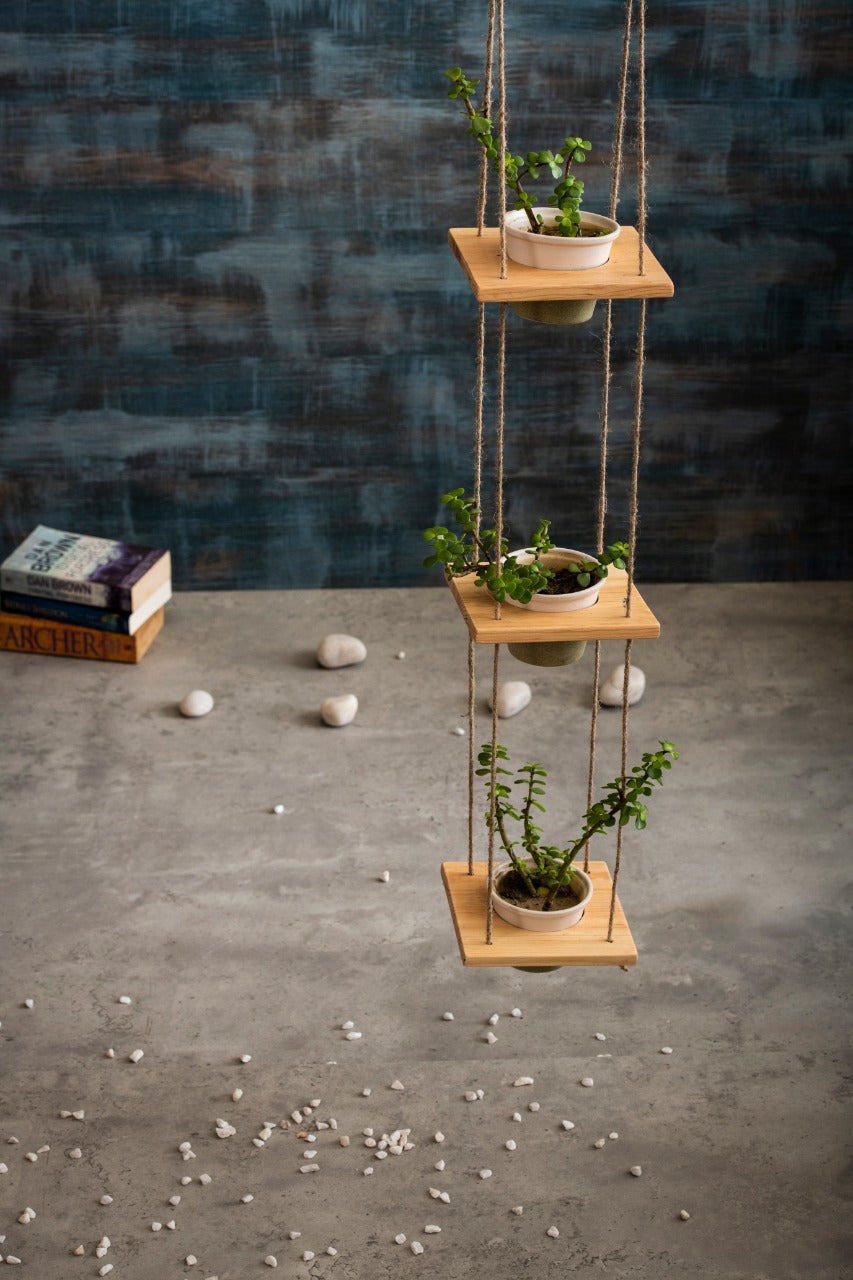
230,321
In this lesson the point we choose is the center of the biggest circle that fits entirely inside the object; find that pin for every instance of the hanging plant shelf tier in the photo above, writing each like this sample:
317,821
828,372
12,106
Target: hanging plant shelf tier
479,257
584,944
605,620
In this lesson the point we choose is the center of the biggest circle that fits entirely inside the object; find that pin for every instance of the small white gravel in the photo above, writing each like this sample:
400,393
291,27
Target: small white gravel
666,1049
637,1170
522,1080
511,1144
533,1106
236,1095
599,1035
494,1019
205,1179
75,1154
190,1260
400,1238
490,1037
447,1017
136,1056
354,1035
29,1003
684,1215
485,1173
416,1247
105,1200
244,1058
271,1260
613,1136
398,1085
567,1125
439,1136
553,1232
599,1143
125,1000
518,1210
431,1229
587,1082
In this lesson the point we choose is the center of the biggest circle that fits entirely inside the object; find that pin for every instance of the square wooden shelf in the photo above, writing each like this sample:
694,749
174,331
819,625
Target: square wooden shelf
479,257
585,944
605,620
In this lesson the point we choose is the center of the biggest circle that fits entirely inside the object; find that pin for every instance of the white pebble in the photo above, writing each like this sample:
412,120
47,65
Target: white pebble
522,1080
599,1035
611,690
171,1224
396,1084
337,650
365,1093
245,1057
444,1197
431,1229
343,1140
416,1246
666,1049
516,1013
339,710
401,655
307,1256
258,1142
246,1199
490,1037
42,1151
494,1019
105,1200
190,1260
485,1173
186,1180
105,1242
75,1154
511,1144
587,1082
553,1232
385,877
368,1170
533,1106
480,1095
331,1251
78,1115
513,696
400,1238
13,1260
185,1146
567,1124
294,1235
13,1142
599,1143
684,1215
29,1003
136,1056
279,809
236,1095
353,1035
205,1179
265,1133
31,1156
174,1201
435,1193
25,1218
447,1017
458,732
471,1096
518,1209
110,1053
309,1168
271,1260
79,1252
613,1136
106,1269
637,1170
4,1168
156,1226
439,1165
438,1136
125,1000
517,1117
196,703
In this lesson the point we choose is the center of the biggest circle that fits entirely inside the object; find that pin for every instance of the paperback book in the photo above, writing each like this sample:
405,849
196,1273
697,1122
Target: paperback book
86,615
63,640
111,575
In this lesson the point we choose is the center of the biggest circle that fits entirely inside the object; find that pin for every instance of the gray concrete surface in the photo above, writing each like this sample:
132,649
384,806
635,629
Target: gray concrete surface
140,856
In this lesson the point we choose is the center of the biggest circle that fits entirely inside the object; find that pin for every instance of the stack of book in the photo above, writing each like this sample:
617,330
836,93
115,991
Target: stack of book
76,596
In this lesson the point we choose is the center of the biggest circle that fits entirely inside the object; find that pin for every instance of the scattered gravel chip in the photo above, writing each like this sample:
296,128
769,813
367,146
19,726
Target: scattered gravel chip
236,1095
31,1156
354,1035
136,1056
684,1215
533,1106
125,1000
447,1017
398,1085
613,1136
587,1082
439,1136
75,1154
522,1080
307,1256
174,1201
567,1124
105,1200
431,1229
637,1170
599,1143
79,1252
244,1058
190,1260
400,1238
553,1232
29,1002
186,1180
518,1209
385,877
416,1247
156,1226
494,1019
490,1037
511,1144
485,1173
205,1179
106,1269
516,1013
271,1260
666,1049
599,1035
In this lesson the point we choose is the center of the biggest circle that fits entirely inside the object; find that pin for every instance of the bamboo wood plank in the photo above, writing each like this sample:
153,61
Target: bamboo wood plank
585,944
479,257
605,620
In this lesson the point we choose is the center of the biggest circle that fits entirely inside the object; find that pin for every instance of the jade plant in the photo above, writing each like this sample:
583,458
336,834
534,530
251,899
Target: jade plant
475,550
567,193
544,870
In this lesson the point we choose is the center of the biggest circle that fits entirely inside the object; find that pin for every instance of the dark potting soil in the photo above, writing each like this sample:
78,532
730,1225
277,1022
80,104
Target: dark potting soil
513,889
563,583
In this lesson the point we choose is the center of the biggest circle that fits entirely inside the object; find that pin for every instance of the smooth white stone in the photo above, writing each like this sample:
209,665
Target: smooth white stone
666,1049
494,1019
439,1166
338,650
186,1180
485,1173
125,1000
245,1057
610,691
511,1144
294,1235
174,1201
247,1199
205,1179
401,655
567,1124
385,877
79,1252
522,1080
599,1143
331,1251
400,1238
637,1170
533,1106
353,1035
553,1232
439,1136
513,696
444,1197
78,1115
307,1256
236,1095
340,710
431,1229
396,1084
4,1168
516,1013
458,732
416,1246
136,1056
490,1037
613,1136
197,703
684,1215
587,1082
75,1154
518,1209
271,1260
105,1200
29,1003
447,1017
599,1035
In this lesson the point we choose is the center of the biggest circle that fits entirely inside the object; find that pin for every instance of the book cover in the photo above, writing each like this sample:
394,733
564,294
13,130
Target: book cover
86,615
62,640
113,575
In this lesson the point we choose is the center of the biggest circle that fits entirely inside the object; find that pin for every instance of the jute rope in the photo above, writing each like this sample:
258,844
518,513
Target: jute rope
478,474
487,109
503,130
615,180
499,483
641,131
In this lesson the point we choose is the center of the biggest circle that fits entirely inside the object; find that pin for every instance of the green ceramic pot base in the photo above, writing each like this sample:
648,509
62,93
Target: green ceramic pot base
559,311
550,653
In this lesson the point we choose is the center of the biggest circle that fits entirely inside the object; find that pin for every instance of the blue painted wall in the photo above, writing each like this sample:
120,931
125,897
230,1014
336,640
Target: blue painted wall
230,322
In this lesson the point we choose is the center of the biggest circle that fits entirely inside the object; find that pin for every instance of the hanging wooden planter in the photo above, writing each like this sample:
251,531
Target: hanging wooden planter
605,620
584,944
479,257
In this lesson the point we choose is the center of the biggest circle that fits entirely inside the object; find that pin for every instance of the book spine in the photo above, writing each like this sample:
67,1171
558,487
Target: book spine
101,594
79,615
60,639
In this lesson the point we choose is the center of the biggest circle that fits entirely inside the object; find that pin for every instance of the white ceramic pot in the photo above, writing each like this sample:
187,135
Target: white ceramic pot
572,600
558,253
541,921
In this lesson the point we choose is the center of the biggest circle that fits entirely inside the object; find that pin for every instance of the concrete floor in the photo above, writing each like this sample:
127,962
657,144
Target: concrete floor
141,856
